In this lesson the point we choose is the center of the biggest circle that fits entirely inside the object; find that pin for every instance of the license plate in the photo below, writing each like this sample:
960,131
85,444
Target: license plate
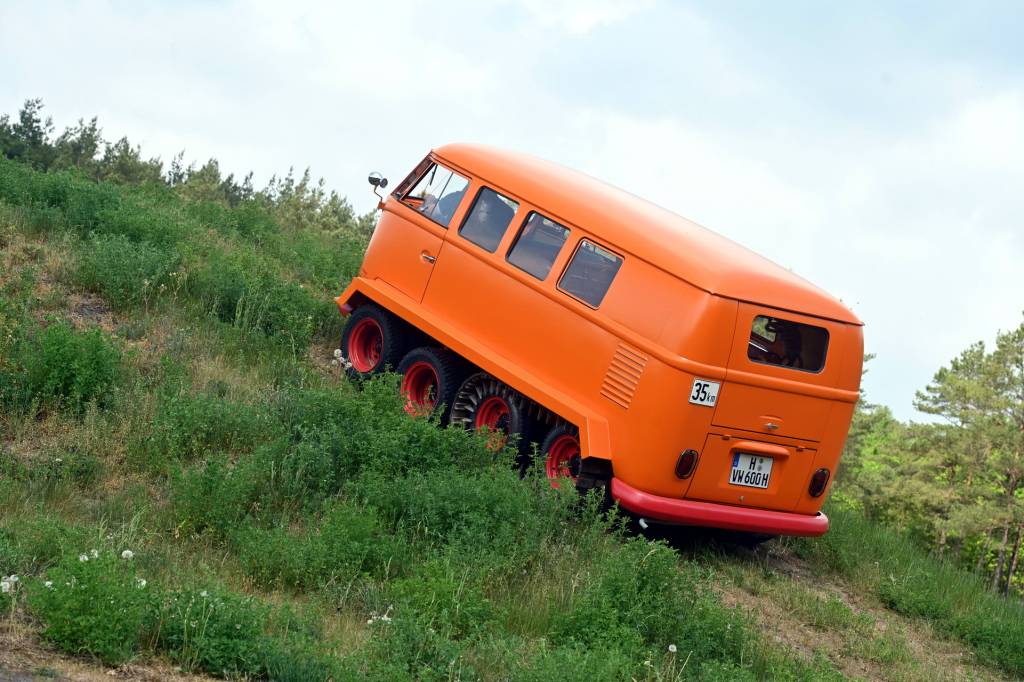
704,392
752,471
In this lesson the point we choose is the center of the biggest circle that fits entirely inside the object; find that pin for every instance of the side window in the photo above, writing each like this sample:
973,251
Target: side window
590,273
488,219
537,245
437,194
774,341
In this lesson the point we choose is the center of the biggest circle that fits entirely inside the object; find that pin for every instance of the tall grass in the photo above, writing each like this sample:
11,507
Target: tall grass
911,581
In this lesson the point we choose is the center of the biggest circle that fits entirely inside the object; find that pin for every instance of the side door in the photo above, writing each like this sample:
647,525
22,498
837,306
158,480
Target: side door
407,241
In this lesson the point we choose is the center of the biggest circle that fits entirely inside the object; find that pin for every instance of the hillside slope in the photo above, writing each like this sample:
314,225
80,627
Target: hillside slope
187,483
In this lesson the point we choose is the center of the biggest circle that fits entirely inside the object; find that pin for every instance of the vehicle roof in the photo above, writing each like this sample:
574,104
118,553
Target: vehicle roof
677,245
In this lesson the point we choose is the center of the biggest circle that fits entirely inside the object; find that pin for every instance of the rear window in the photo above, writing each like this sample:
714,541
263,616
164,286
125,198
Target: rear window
537,245
775,341
488,219
590,273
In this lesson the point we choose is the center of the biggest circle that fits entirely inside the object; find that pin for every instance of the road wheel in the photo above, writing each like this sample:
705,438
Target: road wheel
430,379
372,340
562,455
483,402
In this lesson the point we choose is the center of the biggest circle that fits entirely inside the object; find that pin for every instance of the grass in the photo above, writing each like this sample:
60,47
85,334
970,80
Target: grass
288,524
913,582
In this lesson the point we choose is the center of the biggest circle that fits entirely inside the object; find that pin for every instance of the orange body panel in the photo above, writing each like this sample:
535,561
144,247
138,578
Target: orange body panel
679,308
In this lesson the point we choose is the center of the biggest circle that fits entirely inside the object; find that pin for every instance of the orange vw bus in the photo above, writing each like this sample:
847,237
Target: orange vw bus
698,382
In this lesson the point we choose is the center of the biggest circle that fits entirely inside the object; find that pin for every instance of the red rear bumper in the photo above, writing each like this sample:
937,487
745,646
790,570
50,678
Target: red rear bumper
692,513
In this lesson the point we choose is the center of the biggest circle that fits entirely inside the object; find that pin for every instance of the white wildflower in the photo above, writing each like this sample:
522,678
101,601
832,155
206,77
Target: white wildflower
83,557
58,460
140,582
12,578
6,586
672,648
48,584
127,554
337,354
204,594
95,553
334,363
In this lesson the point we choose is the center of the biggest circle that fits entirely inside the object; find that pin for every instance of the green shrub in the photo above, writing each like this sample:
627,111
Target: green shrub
217,496
447,595
214,631
83,469
63,367
409,648
490,517
574,664
93,604
641,598
32,544
345,544
188,426
126,273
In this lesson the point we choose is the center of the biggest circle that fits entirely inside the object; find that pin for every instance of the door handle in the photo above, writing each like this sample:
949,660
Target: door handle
427,257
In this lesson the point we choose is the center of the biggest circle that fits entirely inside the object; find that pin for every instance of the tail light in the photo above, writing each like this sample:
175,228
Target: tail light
686,464
818,482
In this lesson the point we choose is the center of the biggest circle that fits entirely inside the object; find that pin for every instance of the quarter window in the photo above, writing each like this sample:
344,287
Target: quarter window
537,245
437,194
590,273
488,219
774,341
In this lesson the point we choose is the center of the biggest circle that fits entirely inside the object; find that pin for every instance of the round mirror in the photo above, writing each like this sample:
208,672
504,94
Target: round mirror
378,180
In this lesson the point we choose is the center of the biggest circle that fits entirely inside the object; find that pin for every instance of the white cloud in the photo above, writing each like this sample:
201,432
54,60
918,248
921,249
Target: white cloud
582,16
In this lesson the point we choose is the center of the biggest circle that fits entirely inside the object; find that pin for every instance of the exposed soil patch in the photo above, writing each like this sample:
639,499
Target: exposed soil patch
24,657
881,645
86,311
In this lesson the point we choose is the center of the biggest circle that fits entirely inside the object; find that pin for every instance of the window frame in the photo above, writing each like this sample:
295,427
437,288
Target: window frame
429,164
569,262
417,173
515,241
469,213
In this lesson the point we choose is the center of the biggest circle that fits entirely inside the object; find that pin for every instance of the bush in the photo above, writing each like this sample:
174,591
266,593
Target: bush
408,648
124,272
447,596
187,426
642,598
217,497
489,517
93,604
30,545
215,631
63,367
347,543
83,469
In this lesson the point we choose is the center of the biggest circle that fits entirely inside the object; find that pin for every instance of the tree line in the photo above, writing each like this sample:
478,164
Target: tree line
957,484
296,201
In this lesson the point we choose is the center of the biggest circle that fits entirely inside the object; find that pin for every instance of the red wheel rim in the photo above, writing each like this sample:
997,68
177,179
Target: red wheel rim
365,345
563,459
420,385
493,413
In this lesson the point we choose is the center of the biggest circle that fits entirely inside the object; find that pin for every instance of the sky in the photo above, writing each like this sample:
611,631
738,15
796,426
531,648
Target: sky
875,149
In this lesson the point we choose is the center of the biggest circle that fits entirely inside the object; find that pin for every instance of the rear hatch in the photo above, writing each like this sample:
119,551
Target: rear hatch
772,409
